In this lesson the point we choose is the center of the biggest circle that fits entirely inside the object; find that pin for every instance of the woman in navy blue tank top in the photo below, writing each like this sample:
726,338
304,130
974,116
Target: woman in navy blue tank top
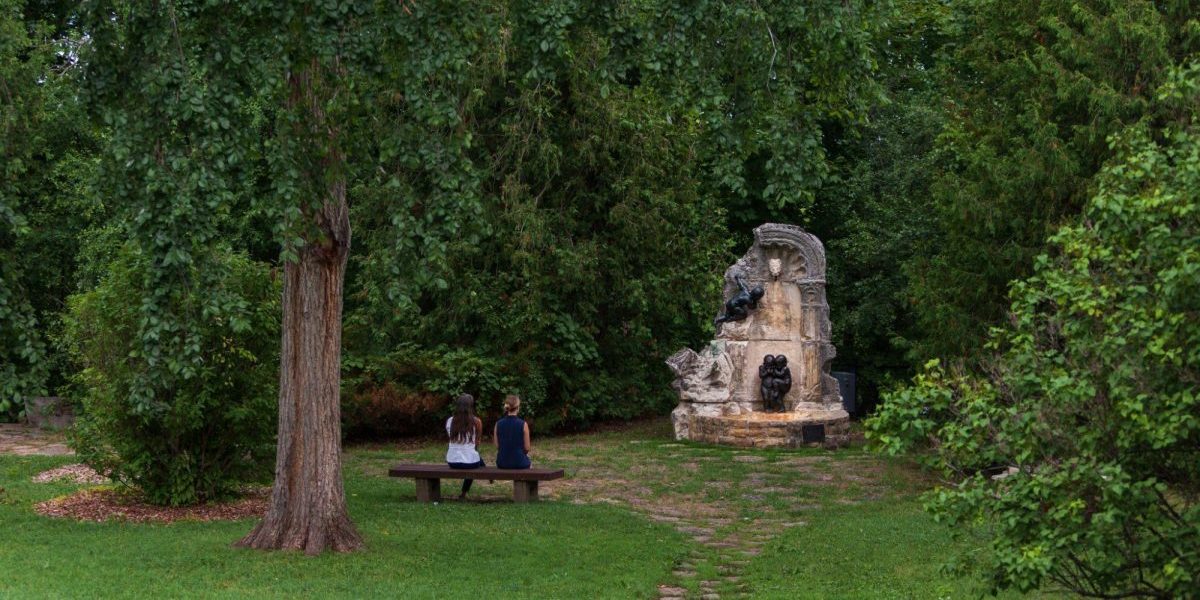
512,437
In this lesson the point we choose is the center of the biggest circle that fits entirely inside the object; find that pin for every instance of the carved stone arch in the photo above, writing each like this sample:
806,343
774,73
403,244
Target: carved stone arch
805,244
802,254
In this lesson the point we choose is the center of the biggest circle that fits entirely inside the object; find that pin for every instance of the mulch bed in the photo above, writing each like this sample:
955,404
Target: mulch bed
107,504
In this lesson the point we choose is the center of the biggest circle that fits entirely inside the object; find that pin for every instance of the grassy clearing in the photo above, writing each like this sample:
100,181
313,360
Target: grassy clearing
638,515
551,550
884,550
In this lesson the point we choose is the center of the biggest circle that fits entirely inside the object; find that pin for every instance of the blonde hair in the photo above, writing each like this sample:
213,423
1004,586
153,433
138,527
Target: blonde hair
511,403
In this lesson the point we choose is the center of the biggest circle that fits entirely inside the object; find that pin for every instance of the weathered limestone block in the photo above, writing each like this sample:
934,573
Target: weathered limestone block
702,378
765,430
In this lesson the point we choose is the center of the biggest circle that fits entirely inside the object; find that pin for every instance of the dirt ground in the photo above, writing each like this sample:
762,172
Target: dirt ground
23,440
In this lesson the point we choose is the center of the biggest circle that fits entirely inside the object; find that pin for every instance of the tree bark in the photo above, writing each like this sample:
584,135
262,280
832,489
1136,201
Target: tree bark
307,510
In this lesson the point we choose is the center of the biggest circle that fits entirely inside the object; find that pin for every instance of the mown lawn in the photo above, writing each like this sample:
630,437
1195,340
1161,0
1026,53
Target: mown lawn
637,511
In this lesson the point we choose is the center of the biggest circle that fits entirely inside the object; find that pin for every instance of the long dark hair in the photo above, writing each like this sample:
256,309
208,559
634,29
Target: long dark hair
462,424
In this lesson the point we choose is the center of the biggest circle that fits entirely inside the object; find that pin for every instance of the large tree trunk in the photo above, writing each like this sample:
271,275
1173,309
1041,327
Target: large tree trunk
308,503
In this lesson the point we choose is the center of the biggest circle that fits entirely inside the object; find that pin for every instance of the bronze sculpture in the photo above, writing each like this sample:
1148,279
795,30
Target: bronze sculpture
739,306
775,380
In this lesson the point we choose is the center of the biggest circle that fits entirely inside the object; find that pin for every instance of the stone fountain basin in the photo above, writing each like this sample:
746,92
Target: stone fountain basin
795,429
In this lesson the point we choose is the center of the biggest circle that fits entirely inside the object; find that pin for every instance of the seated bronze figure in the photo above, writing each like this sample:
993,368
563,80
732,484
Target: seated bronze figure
775,382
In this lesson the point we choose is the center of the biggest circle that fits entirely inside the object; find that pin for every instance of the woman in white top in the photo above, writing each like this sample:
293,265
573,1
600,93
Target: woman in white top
464,429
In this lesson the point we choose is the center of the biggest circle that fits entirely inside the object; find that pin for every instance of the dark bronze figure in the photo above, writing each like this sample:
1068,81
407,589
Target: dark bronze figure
766,381
775,382
739,306
783,380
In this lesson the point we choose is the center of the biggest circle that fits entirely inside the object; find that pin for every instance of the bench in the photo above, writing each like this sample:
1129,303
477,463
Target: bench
429,479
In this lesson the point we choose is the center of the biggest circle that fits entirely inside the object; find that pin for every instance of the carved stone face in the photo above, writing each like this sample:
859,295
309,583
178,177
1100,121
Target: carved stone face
776,267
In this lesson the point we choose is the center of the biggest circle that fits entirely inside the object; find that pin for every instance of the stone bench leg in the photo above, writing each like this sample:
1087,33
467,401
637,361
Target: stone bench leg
525,491
429,490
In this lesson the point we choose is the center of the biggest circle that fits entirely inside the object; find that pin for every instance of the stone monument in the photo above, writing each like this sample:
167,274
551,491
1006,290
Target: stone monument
774,309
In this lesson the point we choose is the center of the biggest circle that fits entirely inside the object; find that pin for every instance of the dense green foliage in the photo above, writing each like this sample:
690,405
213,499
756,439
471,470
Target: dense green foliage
877,215
23,59
1078,443
765,83
1034,89
47,213
588,259
178,345
202,435
1094,419
176,161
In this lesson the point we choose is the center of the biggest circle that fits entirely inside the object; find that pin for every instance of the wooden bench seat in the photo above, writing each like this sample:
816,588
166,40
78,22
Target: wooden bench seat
429,479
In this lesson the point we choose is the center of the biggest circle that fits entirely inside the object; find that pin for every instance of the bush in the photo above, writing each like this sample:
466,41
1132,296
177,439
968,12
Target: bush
22,351
196,436
386,410
1077,444
410,390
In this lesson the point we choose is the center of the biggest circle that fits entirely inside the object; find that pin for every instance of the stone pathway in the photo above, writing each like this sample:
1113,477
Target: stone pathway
731,502
727,540
24,440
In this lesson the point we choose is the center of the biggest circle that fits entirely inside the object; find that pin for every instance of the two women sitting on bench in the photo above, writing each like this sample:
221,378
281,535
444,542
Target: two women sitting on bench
465,430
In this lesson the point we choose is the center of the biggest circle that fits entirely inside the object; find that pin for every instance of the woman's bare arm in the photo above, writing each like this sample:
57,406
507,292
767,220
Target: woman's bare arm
527,438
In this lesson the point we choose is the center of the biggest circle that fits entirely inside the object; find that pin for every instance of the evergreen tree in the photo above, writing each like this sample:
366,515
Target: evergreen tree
1035,88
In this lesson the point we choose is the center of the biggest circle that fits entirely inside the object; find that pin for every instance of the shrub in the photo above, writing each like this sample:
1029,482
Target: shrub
1076,445
22,351
196,436
384,409
410,390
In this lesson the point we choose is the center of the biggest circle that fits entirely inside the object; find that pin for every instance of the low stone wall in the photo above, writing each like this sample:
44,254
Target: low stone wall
829,429
49,412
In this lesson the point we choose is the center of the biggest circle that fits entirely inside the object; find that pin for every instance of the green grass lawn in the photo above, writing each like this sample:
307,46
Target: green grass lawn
878,550
636,511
